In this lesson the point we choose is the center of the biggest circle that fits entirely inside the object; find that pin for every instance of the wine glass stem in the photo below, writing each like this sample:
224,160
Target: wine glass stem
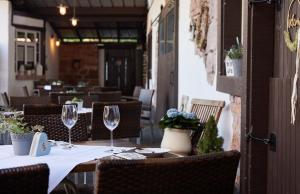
111,140
70,137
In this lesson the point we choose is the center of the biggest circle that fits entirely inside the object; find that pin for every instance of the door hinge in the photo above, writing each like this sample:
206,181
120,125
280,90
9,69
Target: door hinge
277,2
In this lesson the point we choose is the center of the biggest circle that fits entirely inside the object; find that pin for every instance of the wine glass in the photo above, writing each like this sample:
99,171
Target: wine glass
111,119
69,117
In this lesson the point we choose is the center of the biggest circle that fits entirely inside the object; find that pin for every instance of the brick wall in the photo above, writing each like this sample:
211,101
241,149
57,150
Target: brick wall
78,62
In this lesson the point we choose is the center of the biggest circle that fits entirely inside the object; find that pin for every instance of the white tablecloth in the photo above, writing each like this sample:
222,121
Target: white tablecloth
85,110
60,161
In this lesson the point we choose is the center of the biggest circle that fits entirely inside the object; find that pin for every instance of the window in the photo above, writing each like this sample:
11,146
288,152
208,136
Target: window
170,32
162,38
28,50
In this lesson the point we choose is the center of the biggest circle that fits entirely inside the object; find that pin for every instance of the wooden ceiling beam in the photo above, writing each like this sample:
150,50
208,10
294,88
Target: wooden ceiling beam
98,19
95,11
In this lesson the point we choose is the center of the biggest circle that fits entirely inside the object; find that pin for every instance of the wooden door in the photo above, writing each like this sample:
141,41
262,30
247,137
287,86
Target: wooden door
120,69
284,163
167,75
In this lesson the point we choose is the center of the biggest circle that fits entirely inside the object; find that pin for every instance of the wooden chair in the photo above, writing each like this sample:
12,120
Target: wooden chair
204,109
17,102
206,174
129,126
32,179
25,91
5,99
49,116
184,103
109,96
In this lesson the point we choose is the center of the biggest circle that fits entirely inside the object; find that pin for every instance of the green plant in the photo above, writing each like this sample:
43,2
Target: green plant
236,51
75,99
179,120
210,142
14,124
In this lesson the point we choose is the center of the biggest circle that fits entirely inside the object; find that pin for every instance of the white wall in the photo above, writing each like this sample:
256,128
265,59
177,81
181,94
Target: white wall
51,53
192,74
4,44
8,82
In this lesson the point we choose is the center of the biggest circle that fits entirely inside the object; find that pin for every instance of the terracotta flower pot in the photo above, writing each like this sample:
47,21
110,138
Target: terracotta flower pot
177,140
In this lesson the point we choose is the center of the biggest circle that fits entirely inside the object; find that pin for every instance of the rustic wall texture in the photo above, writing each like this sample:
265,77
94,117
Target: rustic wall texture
79,62
235,107
209,28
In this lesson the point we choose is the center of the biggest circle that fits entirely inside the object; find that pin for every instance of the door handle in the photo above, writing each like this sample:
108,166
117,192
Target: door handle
172,78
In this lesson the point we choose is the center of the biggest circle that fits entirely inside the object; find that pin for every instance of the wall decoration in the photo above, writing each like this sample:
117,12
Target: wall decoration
293,22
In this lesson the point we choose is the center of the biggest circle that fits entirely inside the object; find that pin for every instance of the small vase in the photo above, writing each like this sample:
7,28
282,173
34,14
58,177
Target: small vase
177,140
21,143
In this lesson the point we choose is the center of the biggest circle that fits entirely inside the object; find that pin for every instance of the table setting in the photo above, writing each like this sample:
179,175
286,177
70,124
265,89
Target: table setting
65,157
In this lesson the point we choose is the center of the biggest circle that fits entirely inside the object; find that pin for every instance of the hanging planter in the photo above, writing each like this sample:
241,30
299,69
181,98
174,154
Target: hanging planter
233,60
233,67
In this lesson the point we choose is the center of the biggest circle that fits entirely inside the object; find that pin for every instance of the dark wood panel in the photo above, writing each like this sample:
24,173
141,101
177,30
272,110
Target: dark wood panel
283,173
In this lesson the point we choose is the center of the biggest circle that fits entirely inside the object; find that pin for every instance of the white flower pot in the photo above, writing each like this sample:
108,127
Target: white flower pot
177,140
233,67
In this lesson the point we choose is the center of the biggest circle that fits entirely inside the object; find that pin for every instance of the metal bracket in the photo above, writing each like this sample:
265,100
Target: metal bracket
271,141
277,2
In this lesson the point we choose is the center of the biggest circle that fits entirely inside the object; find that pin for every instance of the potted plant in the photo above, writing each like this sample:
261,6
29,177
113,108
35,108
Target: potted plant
78,101
21,135
210,142
233,59
177,130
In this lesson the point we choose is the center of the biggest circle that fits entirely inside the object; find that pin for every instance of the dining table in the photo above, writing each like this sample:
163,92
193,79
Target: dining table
82,158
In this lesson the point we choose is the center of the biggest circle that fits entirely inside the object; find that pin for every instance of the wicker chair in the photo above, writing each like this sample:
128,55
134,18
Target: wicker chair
129,125
50,117
27,179
114,96
18,102
5,99
105,89
206,174
25,91
146,97
204,109
54,96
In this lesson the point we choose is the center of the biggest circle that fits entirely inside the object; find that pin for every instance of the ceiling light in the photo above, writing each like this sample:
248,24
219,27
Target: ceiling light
74,21
57,43
62,9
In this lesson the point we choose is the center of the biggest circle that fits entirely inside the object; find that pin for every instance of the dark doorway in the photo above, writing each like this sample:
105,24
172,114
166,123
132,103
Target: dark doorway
122,68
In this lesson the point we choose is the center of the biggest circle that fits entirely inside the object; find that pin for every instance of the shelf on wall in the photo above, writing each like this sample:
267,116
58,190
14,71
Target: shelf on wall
29,77
230,85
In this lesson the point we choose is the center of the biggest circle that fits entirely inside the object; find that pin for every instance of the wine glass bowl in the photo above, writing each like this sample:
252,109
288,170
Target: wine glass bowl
69,117
111,119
